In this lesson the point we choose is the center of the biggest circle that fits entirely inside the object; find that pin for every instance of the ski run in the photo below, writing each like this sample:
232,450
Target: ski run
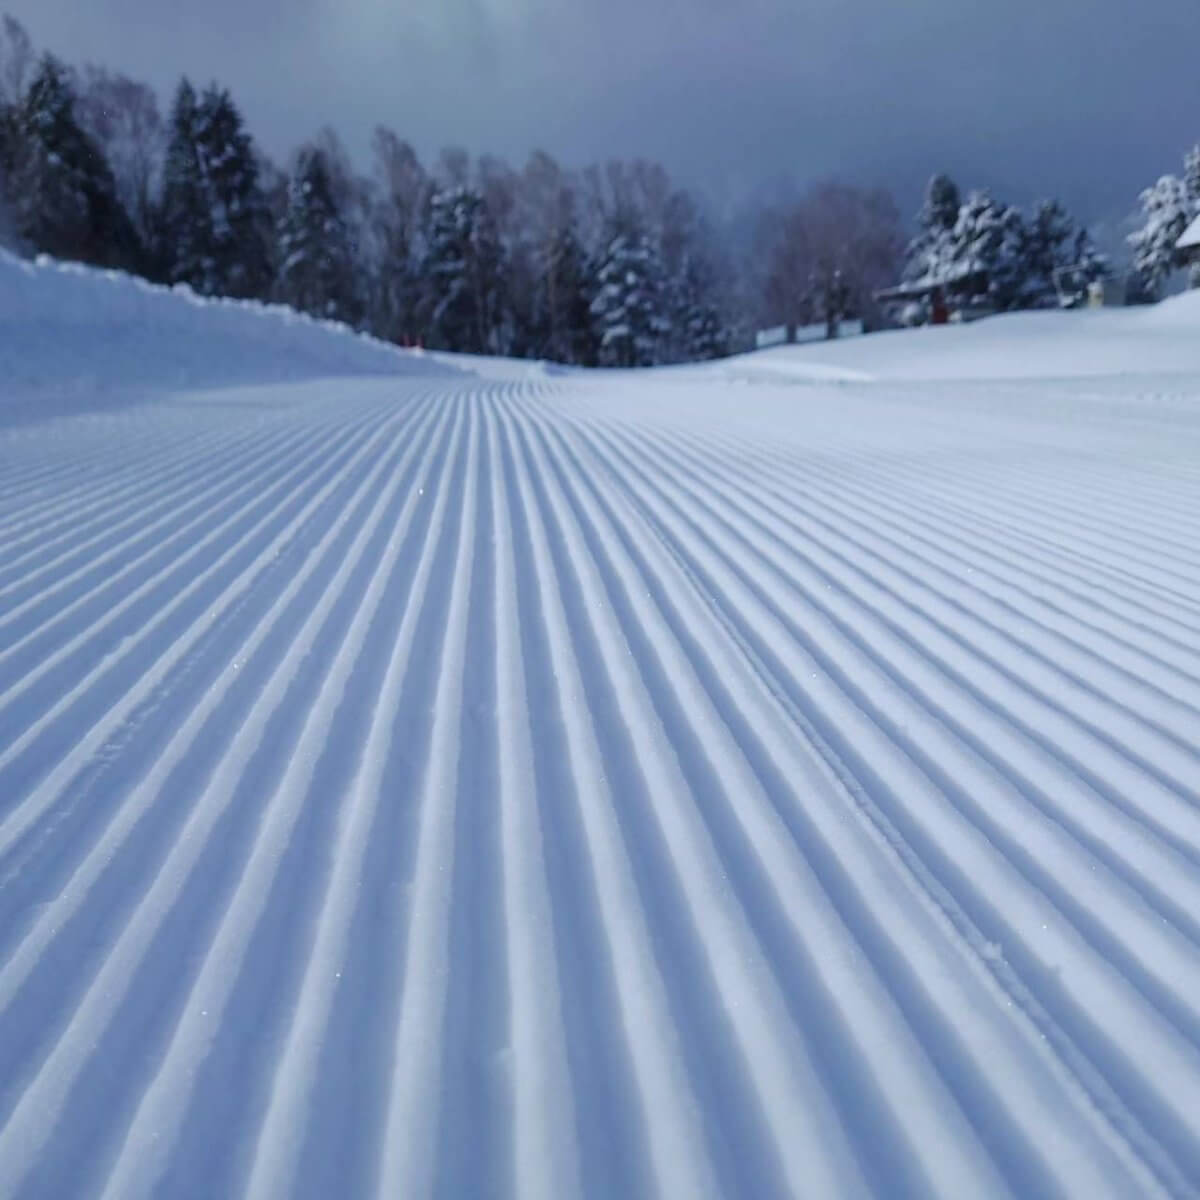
774,779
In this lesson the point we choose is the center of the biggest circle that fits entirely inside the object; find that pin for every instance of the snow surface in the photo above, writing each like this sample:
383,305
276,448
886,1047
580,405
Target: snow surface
522,784
1083,343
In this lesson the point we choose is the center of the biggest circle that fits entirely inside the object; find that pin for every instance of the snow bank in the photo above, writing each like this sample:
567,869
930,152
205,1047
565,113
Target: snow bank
1160,340
70,329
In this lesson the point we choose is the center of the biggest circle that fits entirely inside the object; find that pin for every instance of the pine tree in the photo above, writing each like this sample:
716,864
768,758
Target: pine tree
1060,256
1050,247
988,250
463,273
63,194
215,217
1088,263
1166,214
942,202
931,251
699,327
627,310
185,251
704,334
236,203
316,258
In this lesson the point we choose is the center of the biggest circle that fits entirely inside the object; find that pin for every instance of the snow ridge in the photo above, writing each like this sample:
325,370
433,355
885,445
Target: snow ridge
70,334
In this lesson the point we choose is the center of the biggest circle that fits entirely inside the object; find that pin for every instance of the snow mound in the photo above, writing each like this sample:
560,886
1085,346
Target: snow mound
1159,340
70,329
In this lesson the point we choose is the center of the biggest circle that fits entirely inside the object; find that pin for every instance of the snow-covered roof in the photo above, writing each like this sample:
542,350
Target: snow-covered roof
1190,236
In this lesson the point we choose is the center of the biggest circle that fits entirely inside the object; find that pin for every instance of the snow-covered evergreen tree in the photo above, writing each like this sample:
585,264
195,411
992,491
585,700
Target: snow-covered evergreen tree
239,220
184,251
1051,246
701,332
462,272
1061,258
627,310
942,202
1166,213
62,192
215,222
988,251
690,278
931,252
316,258
1088,263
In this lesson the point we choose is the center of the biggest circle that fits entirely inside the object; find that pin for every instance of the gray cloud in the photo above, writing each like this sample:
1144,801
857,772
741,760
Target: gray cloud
1084,98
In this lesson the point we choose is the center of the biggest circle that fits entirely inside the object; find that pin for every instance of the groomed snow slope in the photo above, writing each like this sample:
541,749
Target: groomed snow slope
1040,345
607,786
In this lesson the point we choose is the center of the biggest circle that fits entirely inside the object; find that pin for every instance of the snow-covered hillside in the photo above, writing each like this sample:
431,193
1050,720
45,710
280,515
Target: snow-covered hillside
69,333
1157,340
680,784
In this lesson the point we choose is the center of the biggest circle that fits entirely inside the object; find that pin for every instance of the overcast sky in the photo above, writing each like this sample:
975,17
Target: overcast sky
1087,99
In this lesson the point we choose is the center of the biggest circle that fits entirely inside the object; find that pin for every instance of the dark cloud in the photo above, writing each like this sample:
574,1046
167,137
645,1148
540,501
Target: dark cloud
1090,99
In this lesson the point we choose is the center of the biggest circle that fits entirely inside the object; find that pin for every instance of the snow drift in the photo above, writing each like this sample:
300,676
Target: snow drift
73,330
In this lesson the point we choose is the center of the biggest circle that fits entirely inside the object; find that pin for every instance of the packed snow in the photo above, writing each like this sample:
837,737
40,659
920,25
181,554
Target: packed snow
1123,343
456,778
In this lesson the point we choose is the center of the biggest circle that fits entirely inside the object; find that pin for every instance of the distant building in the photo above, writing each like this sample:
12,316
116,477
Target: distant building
937,301
1188,246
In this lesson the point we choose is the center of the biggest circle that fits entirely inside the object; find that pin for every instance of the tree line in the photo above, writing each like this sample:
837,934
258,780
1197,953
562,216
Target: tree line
986,253
1037,260
614,264
611,265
